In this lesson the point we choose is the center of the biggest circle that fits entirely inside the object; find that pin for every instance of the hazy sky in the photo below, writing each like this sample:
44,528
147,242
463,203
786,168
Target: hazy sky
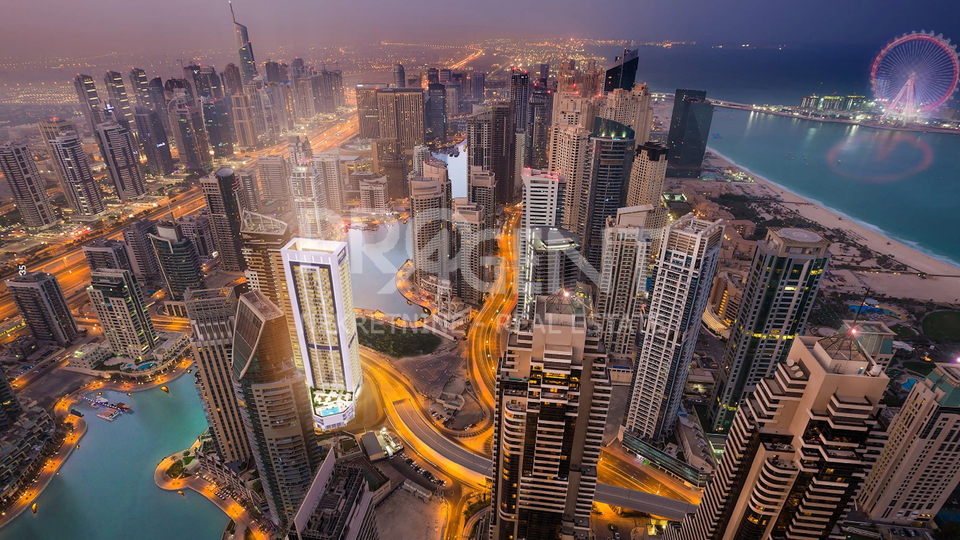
50,27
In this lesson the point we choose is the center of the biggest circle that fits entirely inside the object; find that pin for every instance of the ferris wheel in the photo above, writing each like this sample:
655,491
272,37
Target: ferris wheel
915,73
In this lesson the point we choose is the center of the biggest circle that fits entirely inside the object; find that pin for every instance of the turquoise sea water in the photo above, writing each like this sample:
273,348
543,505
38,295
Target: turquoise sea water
105,490
904,184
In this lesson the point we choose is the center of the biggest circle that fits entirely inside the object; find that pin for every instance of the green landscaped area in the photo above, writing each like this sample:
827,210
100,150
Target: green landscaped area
904,332
920,368
392,341
942,325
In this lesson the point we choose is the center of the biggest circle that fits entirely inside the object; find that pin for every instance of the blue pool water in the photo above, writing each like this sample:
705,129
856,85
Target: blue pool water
908,384
105,490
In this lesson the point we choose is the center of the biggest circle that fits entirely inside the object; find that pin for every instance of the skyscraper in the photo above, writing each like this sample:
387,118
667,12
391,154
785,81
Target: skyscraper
140,87
543,205
49,130
142,255
81,191
89,100
682,278
400,116
179,262
482,190
158,102
117,96
430,219
29,194
469,225
631,108
274,174
220,189
321,298
399,76
689,130
647,174
219,126
272,70
373,196
546,444
799,448
477,81
263,237
244,122
367,111
43,307
551,261
538,125
569,156
107,253
156,147
606,179
248,192
198,229
777,299
119,151
435,120
212,315
274,405
623,275
646,187
118,301
520,97
491,145
232,79
248,66
918,468
186,122
308,195
622,73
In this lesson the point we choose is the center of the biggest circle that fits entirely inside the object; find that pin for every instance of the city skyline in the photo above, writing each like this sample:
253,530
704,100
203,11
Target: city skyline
506,289
744,21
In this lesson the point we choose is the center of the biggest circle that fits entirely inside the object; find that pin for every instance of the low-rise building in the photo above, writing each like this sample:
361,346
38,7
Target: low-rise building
90,356
23,445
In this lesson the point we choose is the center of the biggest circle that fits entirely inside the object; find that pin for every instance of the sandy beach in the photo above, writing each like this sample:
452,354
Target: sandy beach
942,283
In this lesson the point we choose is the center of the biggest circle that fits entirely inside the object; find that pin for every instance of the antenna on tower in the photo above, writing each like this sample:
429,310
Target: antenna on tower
232,14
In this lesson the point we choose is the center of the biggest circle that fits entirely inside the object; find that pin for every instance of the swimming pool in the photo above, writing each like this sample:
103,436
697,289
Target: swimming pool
908,384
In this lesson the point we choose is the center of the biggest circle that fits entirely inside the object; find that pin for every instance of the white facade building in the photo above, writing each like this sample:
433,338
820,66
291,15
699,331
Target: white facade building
682,279
321,298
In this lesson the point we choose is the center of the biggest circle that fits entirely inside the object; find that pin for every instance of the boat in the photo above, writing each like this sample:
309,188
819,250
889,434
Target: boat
33,508
181,493
78,446
165,389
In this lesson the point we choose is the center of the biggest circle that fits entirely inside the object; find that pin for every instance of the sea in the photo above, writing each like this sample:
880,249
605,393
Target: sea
905,185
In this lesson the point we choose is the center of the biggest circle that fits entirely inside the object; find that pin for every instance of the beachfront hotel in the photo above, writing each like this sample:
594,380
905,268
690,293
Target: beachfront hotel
785,278
799,449
918,469
321,301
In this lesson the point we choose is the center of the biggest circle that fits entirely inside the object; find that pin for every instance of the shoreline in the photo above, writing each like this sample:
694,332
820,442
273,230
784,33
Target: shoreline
940,279
938,260
66,403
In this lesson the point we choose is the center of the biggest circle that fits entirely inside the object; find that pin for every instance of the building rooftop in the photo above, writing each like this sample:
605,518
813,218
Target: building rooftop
799,235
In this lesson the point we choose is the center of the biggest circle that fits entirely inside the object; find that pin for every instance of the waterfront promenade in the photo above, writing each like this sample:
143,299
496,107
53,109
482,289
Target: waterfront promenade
72,442
233,509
